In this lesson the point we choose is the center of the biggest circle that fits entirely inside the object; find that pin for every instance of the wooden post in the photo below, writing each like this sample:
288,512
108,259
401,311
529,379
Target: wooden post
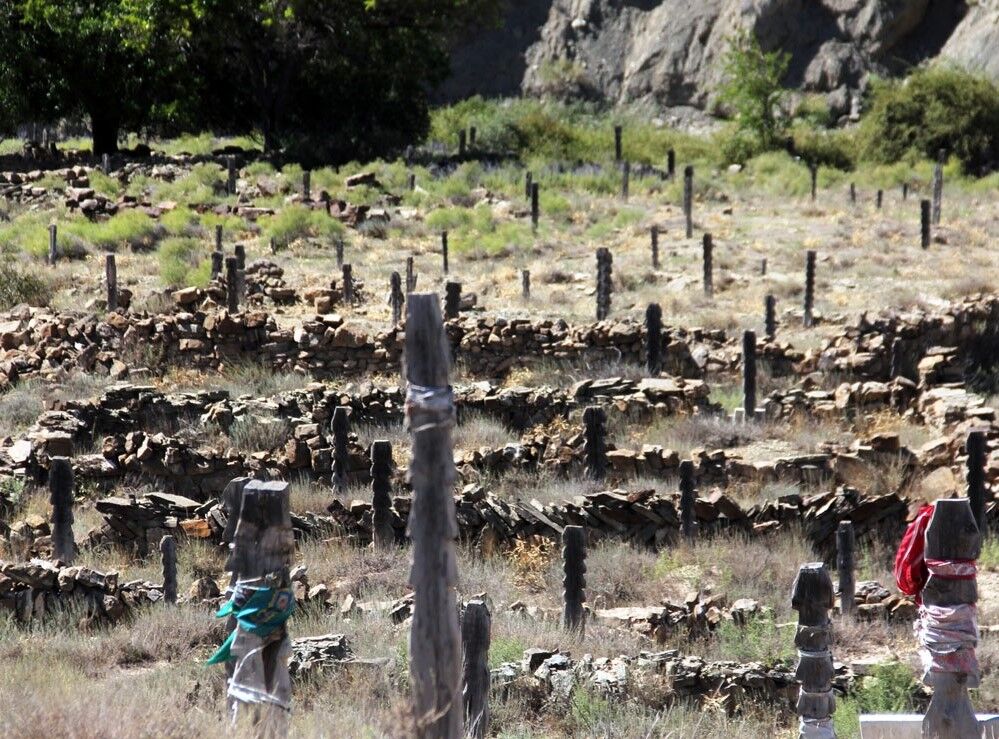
525,284
434,639
895,368
410,276
338,249
452,300
230,187
232,284
168,558
770,317
625,180
618,148
688,498
938,186
653,339
924,223
475,626
977,453
411,182
272,245
382,532
307,185
535,207
809,287
880,198
688,199
461,143
953,541
340,428
813,170
239,251
604,282
707,250
61,499
263,546
396,297
444,251
763,266
53,244
347,273
111,281
472,136
671,164
574,577
218,237
853,194
654,235
595,446
812,597
749,374
218,259
905,191
106,163
845,567
528,185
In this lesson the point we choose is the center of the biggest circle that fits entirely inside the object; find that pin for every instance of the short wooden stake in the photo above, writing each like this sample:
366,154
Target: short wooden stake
218,237
813,170
654,236
845,567
770,317
905,191
535,207
895,369
763,266
396,297
53,244
528,185
812,596
461,142
307,185
382,532
434,639
452,300
977,451
595,445
924,223
410,276
688,199
707,252
749,374
809,288
340,428
604,282
61,499
111,281
688,499
347,277
475,625
671,164
411,182
239,251
168,558
444,263
618,148
880,198
525,284
574,578
625,180
232,284
230,186
338,246
473,134
938,186
653,339
218,259
853,194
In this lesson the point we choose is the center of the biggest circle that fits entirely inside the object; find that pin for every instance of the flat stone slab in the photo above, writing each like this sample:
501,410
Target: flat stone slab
910,726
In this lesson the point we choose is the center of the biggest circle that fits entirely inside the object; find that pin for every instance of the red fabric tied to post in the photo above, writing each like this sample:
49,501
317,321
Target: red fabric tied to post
911,572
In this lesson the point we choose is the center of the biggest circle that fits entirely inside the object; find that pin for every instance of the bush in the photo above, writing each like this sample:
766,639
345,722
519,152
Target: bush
18,286
753,89
935,108
180,265
298,222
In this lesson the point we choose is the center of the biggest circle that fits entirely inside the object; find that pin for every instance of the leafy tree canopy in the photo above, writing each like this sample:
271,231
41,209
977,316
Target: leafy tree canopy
753,88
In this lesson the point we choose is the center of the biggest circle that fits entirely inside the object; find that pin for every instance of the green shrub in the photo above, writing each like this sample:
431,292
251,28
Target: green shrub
20,286
449,218
892,688
184,263
299,222
934,108
827,148
753,89
131,229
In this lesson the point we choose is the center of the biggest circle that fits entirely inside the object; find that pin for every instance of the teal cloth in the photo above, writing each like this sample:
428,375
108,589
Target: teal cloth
264,612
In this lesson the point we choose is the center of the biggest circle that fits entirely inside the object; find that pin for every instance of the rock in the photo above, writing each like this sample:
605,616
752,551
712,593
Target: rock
973,43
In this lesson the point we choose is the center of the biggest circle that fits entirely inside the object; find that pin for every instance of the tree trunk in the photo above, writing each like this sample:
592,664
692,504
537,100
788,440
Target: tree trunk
104,132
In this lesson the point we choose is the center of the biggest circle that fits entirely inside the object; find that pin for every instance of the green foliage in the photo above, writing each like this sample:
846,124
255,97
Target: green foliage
129,229
759,640
298,222
892,688
183,263
826,148
753,89
934,108
505,649
20,286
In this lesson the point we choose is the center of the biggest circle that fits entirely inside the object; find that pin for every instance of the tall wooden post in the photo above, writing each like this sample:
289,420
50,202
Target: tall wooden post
111,281
688,498
396,297
977,451
809,288
770,317
812,597
475,625
938,186
671,164
338,249
168,558
654,236
218,237
434,639
239,251
411,182
879,198
347,277
595,446
230,186
461,142
625,180
895,367
618,148
813,171
535,207
924,223
528,185
525,284
604,282
845,567
263,546
749,374
574,577
444,251
231,285
61,499
382,533
306,185
763,267
218,258
410,276
53,244
853,194
340,426
452,300
653,339
905,191
688,199
952,545
707,251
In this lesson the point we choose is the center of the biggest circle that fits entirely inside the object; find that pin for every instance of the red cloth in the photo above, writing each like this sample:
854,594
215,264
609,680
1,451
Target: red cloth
911,572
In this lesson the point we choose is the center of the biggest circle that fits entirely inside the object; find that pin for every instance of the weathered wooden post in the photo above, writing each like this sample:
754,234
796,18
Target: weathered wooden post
977,452
461,142
528,185
604,282
434,639
338,246
812,597
671,164
595,444
654,235
924,223
813,171
770,317
168,558
880,198
61,499
574,577
525,284
618,148
340,427
111,281
396,297
232,284
218,237
763,266
688,498
306,185
475,625
905,191
535,207
707,252
347,277
938,186
853,194
947,629
625,179
895,368
845,567
263,546
272,245
382,533
653,339
452,300
809,288
749,374
106,163
239,251
688,199
230,186
444,251
473,134
218,258
411,182
410,276
53,244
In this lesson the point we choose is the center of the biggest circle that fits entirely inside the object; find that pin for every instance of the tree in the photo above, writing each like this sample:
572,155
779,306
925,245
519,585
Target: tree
753,88
115,61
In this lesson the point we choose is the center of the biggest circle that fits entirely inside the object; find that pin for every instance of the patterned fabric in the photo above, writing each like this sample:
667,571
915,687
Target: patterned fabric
258,611
947,638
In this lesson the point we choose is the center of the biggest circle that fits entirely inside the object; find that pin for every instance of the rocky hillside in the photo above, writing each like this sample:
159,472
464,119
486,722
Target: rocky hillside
668,51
